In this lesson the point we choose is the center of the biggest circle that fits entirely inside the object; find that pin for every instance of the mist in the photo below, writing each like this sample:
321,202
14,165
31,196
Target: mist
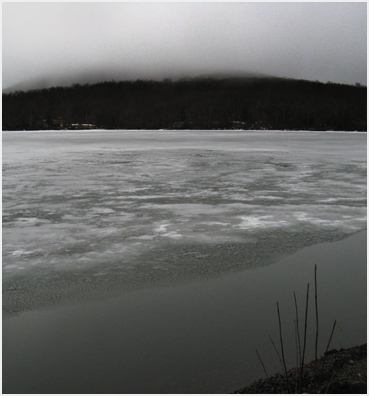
46,44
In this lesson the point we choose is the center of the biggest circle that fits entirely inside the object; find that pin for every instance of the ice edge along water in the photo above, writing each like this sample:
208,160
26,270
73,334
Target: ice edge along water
131,205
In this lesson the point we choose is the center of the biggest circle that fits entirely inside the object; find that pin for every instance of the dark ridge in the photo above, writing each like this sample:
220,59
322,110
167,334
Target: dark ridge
205,102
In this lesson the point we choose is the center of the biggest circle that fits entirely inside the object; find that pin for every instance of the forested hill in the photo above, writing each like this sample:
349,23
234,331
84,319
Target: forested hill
202,103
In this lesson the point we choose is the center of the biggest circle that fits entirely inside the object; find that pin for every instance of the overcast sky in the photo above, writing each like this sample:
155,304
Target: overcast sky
54,42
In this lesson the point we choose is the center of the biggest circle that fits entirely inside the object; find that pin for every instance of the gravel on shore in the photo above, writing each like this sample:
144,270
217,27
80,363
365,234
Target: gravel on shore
342,371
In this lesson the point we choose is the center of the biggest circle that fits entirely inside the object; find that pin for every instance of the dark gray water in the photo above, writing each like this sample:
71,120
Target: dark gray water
195,338
140,262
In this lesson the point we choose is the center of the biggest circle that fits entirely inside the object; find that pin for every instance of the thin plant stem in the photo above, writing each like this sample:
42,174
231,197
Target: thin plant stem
297,356
275,348
282,349
338,322
317,328
262,364
298,328
296,345
298,339
305,331
330,338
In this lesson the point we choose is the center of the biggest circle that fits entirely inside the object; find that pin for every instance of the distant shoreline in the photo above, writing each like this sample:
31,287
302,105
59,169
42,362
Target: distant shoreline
181,130
196,104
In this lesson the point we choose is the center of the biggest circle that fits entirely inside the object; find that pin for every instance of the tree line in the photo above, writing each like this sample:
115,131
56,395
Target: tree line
196,103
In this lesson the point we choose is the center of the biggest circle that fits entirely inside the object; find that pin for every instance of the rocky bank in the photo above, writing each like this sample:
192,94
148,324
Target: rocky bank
342,371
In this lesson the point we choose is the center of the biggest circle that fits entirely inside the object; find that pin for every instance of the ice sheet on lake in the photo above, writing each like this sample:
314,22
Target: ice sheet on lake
129,206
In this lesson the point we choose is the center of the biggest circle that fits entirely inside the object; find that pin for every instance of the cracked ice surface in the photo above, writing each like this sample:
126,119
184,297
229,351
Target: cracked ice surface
136,207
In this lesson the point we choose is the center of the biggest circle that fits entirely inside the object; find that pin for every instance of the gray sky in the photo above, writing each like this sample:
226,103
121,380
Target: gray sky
65,42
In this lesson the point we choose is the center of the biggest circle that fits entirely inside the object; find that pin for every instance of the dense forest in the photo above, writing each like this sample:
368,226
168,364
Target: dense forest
197,103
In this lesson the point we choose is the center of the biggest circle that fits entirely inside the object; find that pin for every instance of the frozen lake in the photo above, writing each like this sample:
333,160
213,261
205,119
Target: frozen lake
108,217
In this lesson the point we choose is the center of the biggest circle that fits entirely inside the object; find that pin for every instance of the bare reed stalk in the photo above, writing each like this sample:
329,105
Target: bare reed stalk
330,338
275,348
297,356
305,331
298,329
262,363
298,347
317,329
282,350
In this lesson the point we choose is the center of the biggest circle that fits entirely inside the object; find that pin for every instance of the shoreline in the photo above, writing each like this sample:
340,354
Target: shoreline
342,371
